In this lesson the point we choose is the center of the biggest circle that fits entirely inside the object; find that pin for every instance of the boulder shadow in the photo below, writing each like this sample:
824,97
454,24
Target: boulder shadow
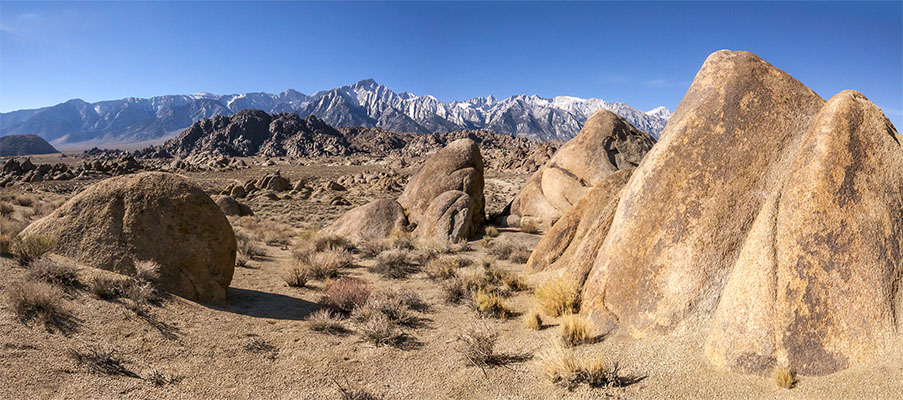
255,303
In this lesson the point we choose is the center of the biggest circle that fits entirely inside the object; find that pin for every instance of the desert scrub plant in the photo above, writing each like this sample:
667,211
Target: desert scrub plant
352,392
39,302
372,248
392,304
297,275
393,264
444,267
247,247
557,297
490,231
401,240
490,305
30,248
147,271
258,345
520,255
327,263
784,377
159,379
107,288
574,330
326,321
325,241
379,330
47,270
560,366
509,250
345,294
532,320
477,345
101,361
454,289
515,283
25,201
6,209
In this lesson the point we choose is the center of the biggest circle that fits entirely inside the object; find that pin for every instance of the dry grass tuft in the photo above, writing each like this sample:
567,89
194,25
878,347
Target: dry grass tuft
477,345
325,264
454,289
490,231
297,275
350,392
395,305
326,321
444,267
509,250
393,264
560,366
378,329
532,320
515,283
40,302
784,377
346,294
55,273
107,288
31,248
258,345
372,248
160,379
557,297
323,242
574,330
491,305
247,249
401,240
147,271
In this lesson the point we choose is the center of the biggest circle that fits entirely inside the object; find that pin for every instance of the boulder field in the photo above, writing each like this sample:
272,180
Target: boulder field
151,216
765,218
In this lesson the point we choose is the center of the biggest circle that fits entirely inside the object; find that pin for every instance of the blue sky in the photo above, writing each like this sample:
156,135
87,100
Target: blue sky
645,54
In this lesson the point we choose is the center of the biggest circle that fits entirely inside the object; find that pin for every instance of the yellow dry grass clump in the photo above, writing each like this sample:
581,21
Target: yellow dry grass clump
574,330
491,304
559,365
557,297
533,320
784,377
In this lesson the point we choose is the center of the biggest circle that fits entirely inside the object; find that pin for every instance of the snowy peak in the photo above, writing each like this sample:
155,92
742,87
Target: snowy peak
364,103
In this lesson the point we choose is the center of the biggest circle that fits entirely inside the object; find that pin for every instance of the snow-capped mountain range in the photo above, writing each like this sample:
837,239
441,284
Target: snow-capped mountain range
365,103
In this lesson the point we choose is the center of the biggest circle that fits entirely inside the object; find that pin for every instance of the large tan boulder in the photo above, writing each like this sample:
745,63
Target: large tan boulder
457,167
447,218
817,285
149,216
569,247
765,220
689,205
606,144
374,220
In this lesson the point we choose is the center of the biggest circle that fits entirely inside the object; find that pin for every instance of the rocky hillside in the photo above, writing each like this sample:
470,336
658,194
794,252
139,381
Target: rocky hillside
365,103
23,145
256,133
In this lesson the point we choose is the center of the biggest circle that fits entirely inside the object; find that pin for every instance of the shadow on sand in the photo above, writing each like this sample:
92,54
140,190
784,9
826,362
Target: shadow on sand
259,304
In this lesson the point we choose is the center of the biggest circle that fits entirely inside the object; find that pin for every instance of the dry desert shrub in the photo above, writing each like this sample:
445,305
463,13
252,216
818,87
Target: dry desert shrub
31,247
509,250
298,275
784,377
454,289
392,304
393,264
42,303
325,264
532,320
352,392
147,271
326,321
515,283
372,248
560,366
530,226
101,361
490,231
345,294
9,228
324,242
477,345
160,379
6,209
107,288
24,200
557,297
445,267
574,330
378,329
490,305
47,270
401,240
247,247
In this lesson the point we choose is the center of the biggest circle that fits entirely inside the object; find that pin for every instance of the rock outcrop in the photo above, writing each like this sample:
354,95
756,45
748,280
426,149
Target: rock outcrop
765,219
374,220
23,145
459,168
606,143
149,216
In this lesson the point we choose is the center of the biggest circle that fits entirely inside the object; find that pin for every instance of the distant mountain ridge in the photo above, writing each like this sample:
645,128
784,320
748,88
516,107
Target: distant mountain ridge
365,103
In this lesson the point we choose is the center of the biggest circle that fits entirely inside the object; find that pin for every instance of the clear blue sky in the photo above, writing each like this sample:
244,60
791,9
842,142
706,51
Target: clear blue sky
645,54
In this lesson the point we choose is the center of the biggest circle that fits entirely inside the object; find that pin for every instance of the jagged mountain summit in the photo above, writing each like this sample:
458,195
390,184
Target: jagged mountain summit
365,103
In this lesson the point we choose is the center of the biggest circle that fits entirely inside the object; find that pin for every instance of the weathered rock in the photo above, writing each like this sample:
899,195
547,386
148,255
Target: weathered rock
569,247
606,144
685,211
149,216
447,219
276,182
457,167
238,192
374,220
228,205
817,285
